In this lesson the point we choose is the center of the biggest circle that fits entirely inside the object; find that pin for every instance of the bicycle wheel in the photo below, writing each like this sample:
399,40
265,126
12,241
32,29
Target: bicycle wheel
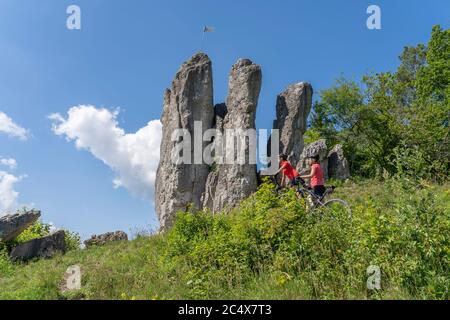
335,207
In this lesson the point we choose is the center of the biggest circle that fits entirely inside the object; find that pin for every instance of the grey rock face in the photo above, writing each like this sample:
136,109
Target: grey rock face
189,99
338,166
13,225
210,190
318,148
220,112
99,240
45,247
293,107
231,183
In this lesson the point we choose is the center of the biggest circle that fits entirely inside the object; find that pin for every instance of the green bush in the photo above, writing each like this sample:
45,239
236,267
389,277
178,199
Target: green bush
406,235
37,230
73,240
40,229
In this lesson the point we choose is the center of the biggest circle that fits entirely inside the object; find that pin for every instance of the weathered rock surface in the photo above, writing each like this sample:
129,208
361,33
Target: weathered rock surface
292,110
220,112
232,182
317,148
338,166
189,99
100,240
13,225
45,247
210,190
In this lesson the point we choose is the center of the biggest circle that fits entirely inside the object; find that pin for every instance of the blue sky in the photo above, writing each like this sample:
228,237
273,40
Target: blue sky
126,54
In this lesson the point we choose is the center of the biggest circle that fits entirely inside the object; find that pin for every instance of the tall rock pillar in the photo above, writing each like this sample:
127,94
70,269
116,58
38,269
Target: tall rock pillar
190,99
229,183
292,111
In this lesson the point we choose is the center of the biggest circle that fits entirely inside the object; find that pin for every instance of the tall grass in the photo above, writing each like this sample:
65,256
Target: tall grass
269,248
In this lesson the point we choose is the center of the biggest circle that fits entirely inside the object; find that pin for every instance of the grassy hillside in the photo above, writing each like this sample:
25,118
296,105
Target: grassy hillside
269,248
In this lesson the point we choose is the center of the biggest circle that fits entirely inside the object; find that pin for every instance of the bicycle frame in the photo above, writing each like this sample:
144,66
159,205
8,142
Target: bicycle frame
303,191
317,201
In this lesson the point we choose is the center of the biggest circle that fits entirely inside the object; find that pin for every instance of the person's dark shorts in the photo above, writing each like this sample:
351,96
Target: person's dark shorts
295,182
319,190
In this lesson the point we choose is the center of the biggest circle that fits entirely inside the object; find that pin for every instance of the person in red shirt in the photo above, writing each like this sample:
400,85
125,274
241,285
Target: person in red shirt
287,171
316,176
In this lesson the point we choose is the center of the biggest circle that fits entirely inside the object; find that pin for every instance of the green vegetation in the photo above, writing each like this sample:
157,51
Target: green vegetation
407,111
269,248
39,230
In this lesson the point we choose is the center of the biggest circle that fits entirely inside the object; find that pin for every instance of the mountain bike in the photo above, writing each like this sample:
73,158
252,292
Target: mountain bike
324,205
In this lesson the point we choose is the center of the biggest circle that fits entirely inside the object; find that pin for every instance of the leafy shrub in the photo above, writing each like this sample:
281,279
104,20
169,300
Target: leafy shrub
37,230
413,163
406,236
73,240
40,229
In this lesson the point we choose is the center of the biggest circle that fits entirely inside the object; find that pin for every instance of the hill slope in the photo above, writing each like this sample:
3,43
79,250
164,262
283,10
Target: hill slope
269,248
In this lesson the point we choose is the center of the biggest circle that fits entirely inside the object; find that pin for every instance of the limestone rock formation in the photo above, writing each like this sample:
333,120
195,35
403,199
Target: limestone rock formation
45,247
230,176
100,240
317,148
292,109
13,225
228,184
210,190
338,166
189,99
220,112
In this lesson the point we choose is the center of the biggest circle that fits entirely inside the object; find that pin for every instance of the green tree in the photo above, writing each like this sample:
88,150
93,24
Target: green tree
412,60
433,80
430,114
389,112
321,126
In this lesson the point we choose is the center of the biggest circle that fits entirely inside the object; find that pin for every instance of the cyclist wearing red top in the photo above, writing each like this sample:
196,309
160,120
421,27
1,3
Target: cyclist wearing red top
316,176
287,171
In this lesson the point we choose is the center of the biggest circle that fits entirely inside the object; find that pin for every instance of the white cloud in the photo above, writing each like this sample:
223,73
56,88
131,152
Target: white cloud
134,157
10,163
9,127
8,196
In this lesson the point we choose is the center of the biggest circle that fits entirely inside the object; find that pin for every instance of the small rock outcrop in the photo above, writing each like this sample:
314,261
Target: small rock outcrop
189,99
318,148
228,184
292,110
13,225
338,166
100,240
45,247
333,163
